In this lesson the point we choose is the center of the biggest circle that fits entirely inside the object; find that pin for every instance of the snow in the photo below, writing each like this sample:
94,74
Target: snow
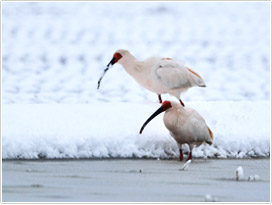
53,54
239,173
209,198
111,130
254,178
56,52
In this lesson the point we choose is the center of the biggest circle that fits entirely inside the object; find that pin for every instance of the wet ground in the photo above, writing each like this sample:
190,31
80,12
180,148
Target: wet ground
130,180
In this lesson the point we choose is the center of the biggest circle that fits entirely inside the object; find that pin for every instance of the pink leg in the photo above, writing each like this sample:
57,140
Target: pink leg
160,98
180,155
181,103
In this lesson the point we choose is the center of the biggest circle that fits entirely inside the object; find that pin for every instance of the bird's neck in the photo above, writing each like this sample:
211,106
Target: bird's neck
131,64
175,117
171,119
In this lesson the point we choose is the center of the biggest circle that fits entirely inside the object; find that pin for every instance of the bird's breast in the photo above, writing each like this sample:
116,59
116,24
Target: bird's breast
179,127
174,121
148,80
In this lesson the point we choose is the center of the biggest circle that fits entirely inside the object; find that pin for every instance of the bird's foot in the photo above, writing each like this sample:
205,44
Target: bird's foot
185,166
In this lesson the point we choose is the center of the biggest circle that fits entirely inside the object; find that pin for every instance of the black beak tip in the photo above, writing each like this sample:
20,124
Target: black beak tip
141,130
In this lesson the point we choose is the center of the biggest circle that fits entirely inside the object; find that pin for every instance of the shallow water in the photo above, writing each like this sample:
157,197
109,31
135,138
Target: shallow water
131,180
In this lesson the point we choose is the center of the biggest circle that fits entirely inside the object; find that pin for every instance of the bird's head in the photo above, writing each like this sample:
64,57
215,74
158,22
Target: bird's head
119,54
165,106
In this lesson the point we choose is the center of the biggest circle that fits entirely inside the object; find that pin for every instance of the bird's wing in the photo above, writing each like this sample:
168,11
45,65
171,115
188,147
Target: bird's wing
172,74
196,122
199,127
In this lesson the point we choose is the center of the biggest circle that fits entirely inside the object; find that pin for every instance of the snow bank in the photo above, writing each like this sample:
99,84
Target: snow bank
55,52
111,130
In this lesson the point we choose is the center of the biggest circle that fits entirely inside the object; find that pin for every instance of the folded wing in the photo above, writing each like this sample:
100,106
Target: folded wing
172,74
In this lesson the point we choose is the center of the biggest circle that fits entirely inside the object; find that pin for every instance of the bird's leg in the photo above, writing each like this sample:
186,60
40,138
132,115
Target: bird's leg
181,103
191,147
180,154
160,98
180,151
190,156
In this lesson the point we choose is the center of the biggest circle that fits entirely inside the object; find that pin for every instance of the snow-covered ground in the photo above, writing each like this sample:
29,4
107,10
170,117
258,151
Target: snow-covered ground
53,53
102,130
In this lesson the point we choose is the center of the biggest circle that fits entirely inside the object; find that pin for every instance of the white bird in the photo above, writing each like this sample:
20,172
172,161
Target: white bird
159,75
186,126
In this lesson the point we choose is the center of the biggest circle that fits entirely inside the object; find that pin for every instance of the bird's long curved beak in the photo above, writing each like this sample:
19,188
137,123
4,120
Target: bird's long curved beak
113,60
165,105
111,63
160,110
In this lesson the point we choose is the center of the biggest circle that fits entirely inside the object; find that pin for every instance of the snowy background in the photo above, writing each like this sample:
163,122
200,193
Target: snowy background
54,53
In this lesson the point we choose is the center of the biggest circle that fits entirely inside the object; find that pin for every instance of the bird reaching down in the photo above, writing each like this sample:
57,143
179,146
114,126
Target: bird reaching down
159,75
185,125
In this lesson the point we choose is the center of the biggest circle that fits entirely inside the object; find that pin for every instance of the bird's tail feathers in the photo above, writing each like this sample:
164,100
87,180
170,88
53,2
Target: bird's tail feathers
211,135
196,78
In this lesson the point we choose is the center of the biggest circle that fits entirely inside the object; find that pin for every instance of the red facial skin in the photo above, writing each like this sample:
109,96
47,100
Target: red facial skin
117,57
166,104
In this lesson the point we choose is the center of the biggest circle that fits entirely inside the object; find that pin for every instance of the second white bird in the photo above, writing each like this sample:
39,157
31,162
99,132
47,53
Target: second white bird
186,126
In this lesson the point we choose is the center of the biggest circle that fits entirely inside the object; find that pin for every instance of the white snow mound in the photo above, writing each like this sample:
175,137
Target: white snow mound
111,130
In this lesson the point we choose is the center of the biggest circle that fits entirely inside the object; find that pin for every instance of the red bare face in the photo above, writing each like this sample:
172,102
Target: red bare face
166,104
117,57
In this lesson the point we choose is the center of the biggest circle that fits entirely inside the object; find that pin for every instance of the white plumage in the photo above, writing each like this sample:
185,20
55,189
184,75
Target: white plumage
159,75
185,125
